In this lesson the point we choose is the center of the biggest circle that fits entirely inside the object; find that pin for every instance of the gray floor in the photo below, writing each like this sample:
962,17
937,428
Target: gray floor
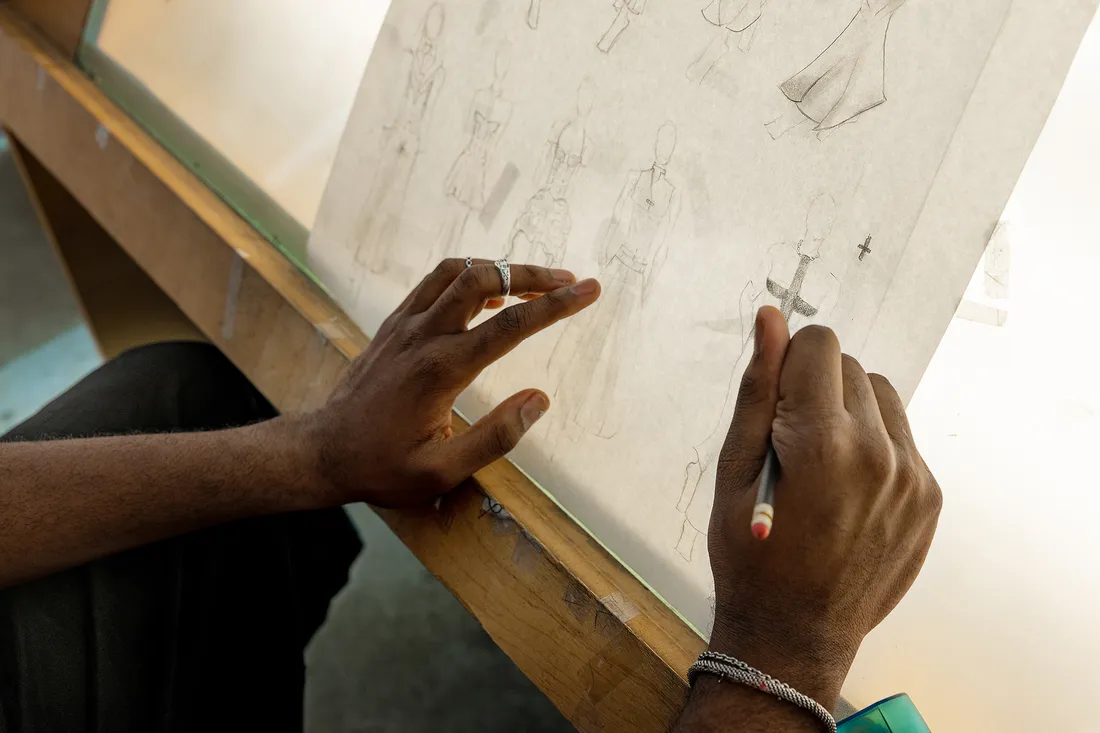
398,652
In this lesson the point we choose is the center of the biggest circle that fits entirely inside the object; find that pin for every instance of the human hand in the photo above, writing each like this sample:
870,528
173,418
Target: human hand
386,435
856,510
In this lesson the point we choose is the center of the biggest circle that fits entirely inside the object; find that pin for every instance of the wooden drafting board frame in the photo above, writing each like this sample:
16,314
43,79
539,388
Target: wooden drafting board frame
603,648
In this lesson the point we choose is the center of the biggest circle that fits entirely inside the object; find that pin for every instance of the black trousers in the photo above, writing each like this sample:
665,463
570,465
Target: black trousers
204,632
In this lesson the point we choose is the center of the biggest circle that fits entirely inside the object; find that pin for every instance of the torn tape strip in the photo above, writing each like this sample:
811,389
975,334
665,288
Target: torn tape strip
620,607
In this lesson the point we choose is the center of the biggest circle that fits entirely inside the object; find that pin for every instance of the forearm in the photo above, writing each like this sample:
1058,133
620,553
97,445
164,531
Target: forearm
66,502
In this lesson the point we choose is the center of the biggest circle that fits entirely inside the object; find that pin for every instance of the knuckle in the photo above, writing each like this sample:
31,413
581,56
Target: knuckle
450,267
935,496
432,365
533,273
409,334
880,462
835,446
471,280
753,390
511,321
501,439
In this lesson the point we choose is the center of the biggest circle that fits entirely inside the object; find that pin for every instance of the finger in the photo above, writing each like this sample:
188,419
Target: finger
507,329
468,292
859,397
435,283
491,304
812,375
892,410
746,445
495,435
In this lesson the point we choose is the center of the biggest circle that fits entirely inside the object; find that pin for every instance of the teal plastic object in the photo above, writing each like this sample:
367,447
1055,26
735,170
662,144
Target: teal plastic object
895,714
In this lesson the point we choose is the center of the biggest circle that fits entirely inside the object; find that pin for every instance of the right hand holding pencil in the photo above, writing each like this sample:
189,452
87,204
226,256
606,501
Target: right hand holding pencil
855,510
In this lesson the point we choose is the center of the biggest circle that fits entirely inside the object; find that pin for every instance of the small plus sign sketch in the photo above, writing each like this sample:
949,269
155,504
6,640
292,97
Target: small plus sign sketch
865,248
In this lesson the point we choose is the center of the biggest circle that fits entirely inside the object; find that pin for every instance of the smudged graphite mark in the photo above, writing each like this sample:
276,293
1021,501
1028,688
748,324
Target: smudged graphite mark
501,191
577,599
699,197
490,9
526,554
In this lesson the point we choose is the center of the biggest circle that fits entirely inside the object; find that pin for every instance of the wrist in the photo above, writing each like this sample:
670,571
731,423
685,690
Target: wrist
714,703
814,663
292,448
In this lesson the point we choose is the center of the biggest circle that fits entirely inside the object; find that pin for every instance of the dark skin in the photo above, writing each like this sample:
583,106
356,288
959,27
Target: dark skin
856,510
856,505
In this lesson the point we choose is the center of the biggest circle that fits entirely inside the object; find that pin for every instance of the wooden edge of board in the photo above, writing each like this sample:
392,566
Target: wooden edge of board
606,650
62,21
120,305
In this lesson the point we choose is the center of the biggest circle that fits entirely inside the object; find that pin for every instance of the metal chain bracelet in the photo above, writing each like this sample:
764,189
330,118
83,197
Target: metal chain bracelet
730,668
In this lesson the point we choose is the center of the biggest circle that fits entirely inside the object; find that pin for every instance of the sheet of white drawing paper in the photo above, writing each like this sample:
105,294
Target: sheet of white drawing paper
268,83
845,162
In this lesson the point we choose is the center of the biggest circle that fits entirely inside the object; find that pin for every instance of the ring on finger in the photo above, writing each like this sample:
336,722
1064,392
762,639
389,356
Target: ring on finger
505,277
469,262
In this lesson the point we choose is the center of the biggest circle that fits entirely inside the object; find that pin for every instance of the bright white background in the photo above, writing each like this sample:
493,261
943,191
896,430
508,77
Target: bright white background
268,83
1000,632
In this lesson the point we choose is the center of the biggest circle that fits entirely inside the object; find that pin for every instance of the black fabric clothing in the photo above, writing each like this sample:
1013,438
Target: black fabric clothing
203,632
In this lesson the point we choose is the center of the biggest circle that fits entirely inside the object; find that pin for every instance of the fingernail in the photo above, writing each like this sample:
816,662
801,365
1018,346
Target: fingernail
758,335
534,408
563,276
586,287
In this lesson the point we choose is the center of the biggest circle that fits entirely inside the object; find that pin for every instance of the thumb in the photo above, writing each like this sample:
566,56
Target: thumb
496,434
746,445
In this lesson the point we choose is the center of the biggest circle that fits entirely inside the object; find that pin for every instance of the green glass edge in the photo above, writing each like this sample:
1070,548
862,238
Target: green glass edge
93,23
215,170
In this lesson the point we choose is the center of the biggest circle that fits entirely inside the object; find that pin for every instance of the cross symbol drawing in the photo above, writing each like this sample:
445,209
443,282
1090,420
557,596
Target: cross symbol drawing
790,298
865,248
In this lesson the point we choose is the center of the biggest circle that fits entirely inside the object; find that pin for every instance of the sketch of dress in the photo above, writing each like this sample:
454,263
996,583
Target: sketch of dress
380,216
625,9
541,231
848,78
465,182
533,11
730,17
591,348
794,280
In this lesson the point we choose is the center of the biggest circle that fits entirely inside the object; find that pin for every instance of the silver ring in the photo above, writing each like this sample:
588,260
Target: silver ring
505,277
469,262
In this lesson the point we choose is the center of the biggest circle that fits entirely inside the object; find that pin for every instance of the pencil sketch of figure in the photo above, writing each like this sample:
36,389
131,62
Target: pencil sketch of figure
533,13
847,79
731,18
624,10
793,280
465,183
540,233
380,215
590,350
